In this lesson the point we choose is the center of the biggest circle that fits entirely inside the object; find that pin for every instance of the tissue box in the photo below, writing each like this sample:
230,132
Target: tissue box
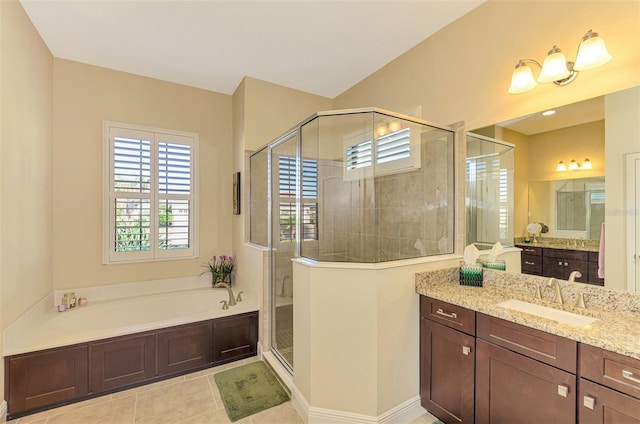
499,265
471,275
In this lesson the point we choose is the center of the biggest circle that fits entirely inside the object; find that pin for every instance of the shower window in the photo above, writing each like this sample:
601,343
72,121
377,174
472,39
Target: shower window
287,193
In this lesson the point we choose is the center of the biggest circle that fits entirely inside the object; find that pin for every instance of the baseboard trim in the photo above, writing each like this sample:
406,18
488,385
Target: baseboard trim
403,413
3,411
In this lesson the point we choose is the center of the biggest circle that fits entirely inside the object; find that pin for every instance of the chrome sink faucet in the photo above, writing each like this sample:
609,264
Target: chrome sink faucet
574,275
558,296
232,299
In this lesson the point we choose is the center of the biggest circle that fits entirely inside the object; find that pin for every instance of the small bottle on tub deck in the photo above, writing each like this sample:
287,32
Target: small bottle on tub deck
82,301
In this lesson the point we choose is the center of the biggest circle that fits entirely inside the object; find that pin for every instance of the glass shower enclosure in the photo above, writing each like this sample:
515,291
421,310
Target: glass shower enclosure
359,186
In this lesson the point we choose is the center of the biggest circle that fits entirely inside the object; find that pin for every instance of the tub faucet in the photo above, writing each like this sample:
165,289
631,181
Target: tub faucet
558,297
574,275
232,299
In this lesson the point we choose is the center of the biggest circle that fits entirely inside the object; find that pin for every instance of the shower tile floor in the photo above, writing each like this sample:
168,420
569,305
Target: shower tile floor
189,399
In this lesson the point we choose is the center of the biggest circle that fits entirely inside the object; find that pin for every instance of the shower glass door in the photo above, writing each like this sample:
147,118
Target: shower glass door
284,230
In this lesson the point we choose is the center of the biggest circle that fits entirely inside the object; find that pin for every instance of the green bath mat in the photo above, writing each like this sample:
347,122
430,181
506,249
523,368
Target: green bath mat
249,389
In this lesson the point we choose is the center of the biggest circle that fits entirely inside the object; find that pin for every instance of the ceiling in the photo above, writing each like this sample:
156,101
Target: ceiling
566,116
319,46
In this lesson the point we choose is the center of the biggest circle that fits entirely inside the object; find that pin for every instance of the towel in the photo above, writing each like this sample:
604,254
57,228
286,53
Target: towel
601,254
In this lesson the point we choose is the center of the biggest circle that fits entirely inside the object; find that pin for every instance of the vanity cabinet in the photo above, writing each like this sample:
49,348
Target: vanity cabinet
559,263
447,363
609,388
45,379
520,369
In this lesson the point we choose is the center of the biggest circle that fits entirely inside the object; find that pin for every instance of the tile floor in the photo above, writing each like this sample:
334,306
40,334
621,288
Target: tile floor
189,399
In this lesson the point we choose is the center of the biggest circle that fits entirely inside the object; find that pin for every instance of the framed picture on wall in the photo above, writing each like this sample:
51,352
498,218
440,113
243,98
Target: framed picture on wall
236,193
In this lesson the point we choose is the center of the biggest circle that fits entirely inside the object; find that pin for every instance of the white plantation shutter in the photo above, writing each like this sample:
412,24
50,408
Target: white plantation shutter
149,194
393,153
287,194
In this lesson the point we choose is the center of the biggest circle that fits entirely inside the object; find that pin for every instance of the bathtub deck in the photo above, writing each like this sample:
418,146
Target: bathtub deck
101,319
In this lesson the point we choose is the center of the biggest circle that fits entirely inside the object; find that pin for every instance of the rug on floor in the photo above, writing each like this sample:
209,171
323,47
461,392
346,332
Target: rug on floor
249,389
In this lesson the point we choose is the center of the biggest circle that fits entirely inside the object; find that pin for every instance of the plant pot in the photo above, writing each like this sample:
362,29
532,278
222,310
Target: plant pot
224,277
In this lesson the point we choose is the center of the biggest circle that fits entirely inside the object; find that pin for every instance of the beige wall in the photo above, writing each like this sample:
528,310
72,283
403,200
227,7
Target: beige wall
262,111
578,142
463,71
86,95
26,92
26,174
621,124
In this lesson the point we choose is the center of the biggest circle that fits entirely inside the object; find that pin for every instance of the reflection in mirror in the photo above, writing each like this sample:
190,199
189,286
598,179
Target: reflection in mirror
571,208
489,188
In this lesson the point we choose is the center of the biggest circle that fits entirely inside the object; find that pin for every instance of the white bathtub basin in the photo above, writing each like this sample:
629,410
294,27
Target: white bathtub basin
564,317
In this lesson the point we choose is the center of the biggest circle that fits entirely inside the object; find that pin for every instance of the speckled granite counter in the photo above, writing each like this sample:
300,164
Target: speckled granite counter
617,328
550,245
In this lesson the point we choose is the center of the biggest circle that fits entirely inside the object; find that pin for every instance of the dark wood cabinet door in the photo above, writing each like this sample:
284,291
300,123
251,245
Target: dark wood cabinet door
600,405
576,265
512,388
447,368
45,378
235,337
553,267
184,348
123,361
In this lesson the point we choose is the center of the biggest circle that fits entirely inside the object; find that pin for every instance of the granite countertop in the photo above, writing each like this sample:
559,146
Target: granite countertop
618,313
564,246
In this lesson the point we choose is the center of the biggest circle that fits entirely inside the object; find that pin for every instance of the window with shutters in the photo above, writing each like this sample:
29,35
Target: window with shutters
150,194
394,152
287,196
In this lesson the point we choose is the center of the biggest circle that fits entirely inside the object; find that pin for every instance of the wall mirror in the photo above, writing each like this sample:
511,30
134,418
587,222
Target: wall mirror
571,208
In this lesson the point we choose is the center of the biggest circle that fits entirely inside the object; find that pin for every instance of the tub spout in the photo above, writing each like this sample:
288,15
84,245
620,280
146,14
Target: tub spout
232,299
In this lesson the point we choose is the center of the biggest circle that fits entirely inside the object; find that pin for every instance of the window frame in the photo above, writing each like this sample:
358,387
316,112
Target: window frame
109,195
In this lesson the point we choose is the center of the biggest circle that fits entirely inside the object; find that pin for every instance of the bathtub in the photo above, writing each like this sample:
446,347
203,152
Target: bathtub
44,327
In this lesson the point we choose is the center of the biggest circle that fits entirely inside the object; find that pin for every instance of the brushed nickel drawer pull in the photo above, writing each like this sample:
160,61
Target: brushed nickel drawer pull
529,263
629,376
451,315
589,402
529,250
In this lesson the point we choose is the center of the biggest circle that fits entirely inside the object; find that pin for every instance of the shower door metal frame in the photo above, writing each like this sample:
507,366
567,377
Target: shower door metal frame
288,136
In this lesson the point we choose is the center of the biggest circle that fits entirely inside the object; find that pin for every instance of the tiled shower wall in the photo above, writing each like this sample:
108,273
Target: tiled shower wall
412,214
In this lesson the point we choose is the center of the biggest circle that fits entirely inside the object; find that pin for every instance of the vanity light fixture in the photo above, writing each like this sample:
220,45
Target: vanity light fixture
592,52
573,165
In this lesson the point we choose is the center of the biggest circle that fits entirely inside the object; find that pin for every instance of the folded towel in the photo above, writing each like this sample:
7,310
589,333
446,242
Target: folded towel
601,254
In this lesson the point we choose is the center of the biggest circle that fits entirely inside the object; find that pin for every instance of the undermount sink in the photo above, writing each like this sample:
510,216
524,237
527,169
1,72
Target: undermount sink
563,317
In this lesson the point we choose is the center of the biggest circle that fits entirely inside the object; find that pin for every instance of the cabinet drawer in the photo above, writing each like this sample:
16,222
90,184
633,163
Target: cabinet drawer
453,316
545,347
578,255
610,369
531,264
530,250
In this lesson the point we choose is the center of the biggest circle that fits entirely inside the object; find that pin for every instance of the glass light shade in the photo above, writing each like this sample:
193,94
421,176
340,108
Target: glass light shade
522,80
573,165
554,67
592,52
561,166
586,164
